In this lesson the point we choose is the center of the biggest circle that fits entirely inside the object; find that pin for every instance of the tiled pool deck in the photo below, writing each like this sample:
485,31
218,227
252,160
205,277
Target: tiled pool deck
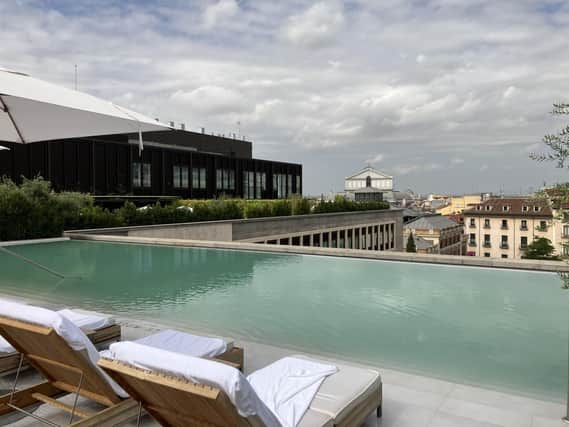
409,400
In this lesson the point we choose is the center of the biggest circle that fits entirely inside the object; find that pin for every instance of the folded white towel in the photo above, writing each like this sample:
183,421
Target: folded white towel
288,386
83,319
184,343
87,319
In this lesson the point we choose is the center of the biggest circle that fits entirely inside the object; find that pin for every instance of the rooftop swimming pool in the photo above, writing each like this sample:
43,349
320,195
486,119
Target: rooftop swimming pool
501,329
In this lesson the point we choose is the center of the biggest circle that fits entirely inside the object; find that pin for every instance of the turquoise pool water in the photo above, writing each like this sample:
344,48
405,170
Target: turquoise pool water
497,328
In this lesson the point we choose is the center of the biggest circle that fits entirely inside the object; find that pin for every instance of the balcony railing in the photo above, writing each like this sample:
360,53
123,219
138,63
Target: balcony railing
472,225
504,245
565,235
523,228
487,245
487,226
541,228
523,247
504,227
471,243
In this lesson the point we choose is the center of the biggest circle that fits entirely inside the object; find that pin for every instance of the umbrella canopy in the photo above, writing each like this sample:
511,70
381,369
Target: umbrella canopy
3,148
33,110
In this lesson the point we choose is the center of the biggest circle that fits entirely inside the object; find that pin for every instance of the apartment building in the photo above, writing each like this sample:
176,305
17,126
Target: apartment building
504,227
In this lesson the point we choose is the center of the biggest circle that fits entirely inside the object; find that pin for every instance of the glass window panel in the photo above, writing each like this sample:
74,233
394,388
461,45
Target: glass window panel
146,175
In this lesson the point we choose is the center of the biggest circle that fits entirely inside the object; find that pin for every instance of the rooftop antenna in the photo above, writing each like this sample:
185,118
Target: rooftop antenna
238,127
75,76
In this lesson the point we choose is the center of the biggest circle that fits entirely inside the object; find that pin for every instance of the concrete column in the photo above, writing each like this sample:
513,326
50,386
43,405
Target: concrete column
311,239
329,239
321,240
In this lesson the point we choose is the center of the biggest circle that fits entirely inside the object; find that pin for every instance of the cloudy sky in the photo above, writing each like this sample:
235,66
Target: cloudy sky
445,95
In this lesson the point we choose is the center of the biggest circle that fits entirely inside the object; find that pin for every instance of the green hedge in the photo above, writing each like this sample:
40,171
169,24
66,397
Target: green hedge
33,210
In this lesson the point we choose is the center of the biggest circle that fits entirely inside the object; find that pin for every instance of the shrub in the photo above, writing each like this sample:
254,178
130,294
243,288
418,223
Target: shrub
28,211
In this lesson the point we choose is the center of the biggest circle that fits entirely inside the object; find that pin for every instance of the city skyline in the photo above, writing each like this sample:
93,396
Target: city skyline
444,97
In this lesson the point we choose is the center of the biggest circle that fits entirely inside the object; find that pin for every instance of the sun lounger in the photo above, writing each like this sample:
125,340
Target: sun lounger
67,359
296,391
99,328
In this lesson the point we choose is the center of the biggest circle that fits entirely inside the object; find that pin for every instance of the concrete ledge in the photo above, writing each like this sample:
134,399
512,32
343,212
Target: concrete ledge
33,241
534,265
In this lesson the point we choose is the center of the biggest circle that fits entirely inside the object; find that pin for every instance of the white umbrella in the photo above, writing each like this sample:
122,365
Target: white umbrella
3,148
33,110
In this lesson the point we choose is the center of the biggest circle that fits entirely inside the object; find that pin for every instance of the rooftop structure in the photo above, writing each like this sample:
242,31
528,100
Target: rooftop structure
446,235
173,163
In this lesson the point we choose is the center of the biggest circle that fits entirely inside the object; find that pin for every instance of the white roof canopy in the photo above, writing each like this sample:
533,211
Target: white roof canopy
33,110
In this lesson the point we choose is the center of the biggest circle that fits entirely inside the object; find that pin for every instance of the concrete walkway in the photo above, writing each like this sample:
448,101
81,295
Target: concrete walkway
409,400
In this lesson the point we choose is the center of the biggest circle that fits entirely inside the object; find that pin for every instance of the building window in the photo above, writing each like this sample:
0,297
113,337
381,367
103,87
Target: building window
225,179
566,231
525,208
536,208
180,176
472,239
260,184
504,242
486,223
141,175
298,184
524,225
248,184
504,224
542,225
523,242
487,254
504,256
368,181
505,208
472,222
488,207
198,178
486,240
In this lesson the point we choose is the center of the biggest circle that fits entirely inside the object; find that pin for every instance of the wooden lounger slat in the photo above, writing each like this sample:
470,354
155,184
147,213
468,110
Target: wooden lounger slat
23,398
59,405
112,416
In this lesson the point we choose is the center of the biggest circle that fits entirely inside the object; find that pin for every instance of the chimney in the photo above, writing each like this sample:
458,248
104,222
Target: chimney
171,124
203,130
182,126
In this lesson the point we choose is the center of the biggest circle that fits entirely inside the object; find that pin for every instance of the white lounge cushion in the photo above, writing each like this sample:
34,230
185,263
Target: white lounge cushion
66,329
87,320
288,386
340,393
184,343
312,418
201,371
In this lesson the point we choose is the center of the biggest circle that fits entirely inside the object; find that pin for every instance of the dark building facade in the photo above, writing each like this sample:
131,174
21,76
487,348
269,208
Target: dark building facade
173,163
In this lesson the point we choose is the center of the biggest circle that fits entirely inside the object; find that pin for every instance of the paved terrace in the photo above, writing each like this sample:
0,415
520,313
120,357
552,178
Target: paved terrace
408,400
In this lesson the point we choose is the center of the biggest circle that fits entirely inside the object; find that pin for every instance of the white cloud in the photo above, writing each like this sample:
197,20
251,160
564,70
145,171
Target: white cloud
455,161
375,159
319,83
210,100
219,11
316,26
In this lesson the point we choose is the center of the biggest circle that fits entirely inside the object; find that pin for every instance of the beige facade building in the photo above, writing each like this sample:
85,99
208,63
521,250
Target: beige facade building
445,235
457,204
504,227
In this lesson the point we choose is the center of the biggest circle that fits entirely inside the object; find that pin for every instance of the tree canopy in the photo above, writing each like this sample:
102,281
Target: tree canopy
411,243
540,248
